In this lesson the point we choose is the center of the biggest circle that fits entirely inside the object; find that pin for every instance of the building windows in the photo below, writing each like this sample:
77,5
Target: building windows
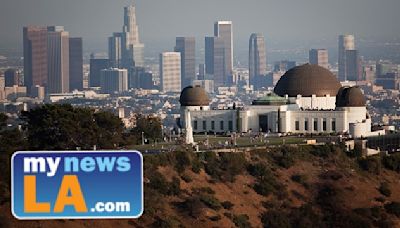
306,124
221,124
204,125
324,124
212,125
230,125
195,125
333,124
315,125
297,125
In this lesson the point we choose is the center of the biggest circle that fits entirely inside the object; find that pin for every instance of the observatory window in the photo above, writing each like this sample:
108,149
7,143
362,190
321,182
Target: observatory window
324,124
221,124
306,124
195,124
297,125
204,125
230,125
212,125
315,124
333,124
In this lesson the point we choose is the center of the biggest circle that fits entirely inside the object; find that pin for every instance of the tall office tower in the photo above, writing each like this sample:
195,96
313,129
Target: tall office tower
284,65
215,60
383,68
75,64
202,72
35,56
318,57
113,80
139,78
115,49
170,72
133,49
257,59
390,80
12,77
57,59
223,29
186,46
96,65
346,42
353,66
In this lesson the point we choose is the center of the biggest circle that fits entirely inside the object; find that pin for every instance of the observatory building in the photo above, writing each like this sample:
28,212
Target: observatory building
307,99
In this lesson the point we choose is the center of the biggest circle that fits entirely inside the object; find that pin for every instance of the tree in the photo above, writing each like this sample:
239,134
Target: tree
11,139
63,127
149,125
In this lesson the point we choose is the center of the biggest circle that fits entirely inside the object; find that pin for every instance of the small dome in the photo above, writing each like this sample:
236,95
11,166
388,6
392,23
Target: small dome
307,80
194,96
350,97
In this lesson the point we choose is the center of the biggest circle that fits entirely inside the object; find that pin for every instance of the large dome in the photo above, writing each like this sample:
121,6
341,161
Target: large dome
307,80
194,96
350,97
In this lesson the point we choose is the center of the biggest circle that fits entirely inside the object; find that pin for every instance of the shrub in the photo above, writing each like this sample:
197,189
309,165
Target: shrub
323,150
227,205
301,179
371,164
275,219
196,165
393,208
285,157
193,206
241,221
160,184
182,161
185,177
215,218
224,167
175,186
206,190
392,162
263,188
384,189
166,222
210,201
260,171
233,164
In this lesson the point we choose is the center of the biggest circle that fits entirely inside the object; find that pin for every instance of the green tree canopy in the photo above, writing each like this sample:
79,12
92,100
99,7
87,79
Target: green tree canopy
64,127
149,125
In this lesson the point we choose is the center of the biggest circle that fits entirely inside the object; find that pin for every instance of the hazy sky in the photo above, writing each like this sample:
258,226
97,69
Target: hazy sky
160,21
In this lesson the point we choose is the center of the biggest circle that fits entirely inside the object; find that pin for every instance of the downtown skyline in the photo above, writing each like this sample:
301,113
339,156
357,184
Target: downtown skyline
286,28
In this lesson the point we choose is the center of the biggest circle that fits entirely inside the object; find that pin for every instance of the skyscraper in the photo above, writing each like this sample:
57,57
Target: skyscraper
202,71
284,65
12,77
215,60
113,80
186,46
318,57
96,65
346,42
139,78
223,29
75,64
133,49
115,49
353,65
170,71
257,58
57,59
35,56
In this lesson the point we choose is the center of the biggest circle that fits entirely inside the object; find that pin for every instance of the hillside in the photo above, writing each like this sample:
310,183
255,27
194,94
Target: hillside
297,186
